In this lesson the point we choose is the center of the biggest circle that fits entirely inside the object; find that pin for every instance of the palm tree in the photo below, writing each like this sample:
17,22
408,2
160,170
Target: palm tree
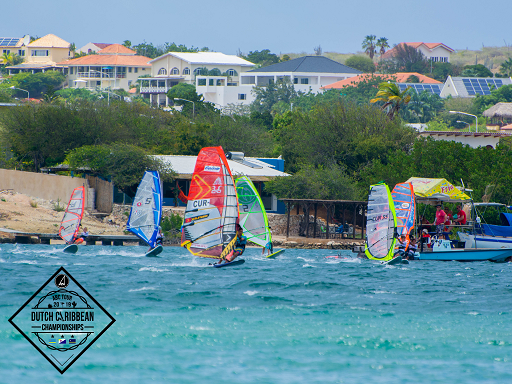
391,96
506,67
369,45
382,43
8,58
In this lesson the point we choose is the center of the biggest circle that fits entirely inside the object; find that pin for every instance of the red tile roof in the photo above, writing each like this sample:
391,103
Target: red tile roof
389,54
121,60
400,77
116,49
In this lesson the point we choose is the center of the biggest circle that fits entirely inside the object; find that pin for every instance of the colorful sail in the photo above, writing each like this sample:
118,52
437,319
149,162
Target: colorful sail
209,225
253,217
405,208
146,211
380,224
70,223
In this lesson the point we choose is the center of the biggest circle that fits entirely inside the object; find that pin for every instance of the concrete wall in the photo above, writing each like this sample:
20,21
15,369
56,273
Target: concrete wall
48,187
103,193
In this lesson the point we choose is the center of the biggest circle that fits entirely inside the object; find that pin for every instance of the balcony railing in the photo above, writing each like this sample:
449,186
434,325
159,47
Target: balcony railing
96,75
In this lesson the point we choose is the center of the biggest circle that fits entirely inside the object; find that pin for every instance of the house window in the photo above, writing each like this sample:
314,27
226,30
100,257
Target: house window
6,51
201,82
186,71
40,52
130,69
175,71
162,71
295,80
129,83
232,84
231,72
136,70
304,81
210,82
242,96
21,52
70,70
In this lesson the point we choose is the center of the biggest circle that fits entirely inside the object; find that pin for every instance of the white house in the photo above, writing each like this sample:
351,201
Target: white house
209,71
436,52
307,74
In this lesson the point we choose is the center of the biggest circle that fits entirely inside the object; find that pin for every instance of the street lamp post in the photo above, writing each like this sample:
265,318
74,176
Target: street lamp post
469,114
193,106
28,94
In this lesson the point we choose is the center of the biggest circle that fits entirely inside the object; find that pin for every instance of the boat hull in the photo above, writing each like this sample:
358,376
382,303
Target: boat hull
497,255
477,241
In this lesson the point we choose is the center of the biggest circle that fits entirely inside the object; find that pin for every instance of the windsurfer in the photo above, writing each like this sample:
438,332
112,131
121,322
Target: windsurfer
159,238
241,242
402,243
268,247
82,237
411,249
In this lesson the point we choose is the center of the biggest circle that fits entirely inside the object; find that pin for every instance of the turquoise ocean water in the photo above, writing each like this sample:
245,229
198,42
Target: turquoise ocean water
301,318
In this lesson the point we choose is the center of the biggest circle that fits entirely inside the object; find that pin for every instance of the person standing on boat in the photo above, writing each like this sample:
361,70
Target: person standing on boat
461,216
440,220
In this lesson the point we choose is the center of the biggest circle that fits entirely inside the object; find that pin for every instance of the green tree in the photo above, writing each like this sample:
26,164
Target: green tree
422,107
123,164
262,58
127,44
338,132
405,59
478,70
506,68
325,182
369,45
392,98
188,92
383,44
38,83
267,96
362,63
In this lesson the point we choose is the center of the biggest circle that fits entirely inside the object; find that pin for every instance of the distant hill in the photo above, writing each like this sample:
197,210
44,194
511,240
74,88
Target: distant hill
491,57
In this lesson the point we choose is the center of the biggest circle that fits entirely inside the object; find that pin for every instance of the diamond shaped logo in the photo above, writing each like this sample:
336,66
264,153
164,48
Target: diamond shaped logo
61,320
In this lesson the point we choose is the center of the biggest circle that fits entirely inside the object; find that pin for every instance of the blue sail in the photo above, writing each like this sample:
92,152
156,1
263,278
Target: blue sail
146,211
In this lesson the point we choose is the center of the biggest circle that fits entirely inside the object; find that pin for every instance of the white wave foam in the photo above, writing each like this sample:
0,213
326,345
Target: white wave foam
25,262
153,269
200,328
251,293
142,289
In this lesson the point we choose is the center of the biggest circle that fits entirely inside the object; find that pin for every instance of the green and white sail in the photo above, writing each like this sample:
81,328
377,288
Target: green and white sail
381,224
253,218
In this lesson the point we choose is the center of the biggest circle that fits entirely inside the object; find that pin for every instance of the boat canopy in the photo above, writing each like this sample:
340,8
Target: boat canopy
431,191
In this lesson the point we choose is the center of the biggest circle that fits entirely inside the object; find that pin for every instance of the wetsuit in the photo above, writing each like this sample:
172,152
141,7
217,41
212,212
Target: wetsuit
240,244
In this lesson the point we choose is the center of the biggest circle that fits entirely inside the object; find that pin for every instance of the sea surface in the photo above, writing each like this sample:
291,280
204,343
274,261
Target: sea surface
301,318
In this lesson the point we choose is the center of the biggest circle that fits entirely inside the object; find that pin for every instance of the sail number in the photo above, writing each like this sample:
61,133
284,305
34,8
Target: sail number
201,203
380,217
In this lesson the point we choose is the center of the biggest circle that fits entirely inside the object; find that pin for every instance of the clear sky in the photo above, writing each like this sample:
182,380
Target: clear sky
283,26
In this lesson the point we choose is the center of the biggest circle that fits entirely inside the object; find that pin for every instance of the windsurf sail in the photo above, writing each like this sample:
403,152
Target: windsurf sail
211,216
380,224
70,224
146,211
405,208
253,217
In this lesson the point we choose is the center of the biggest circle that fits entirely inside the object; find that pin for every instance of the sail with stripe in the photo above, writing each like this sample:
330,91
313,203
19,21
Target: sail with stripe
253,217
70,224
405,208
146,211
380,224
211,216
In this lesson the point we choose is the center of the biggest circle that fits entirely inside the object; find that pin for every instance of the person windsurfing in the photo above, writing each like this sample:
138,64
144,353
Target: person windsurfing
159,239
268,247
241,242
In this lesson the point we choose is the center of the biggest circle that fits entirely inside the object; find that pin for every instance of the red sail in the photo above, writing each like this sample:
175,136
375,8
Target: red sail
209,225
